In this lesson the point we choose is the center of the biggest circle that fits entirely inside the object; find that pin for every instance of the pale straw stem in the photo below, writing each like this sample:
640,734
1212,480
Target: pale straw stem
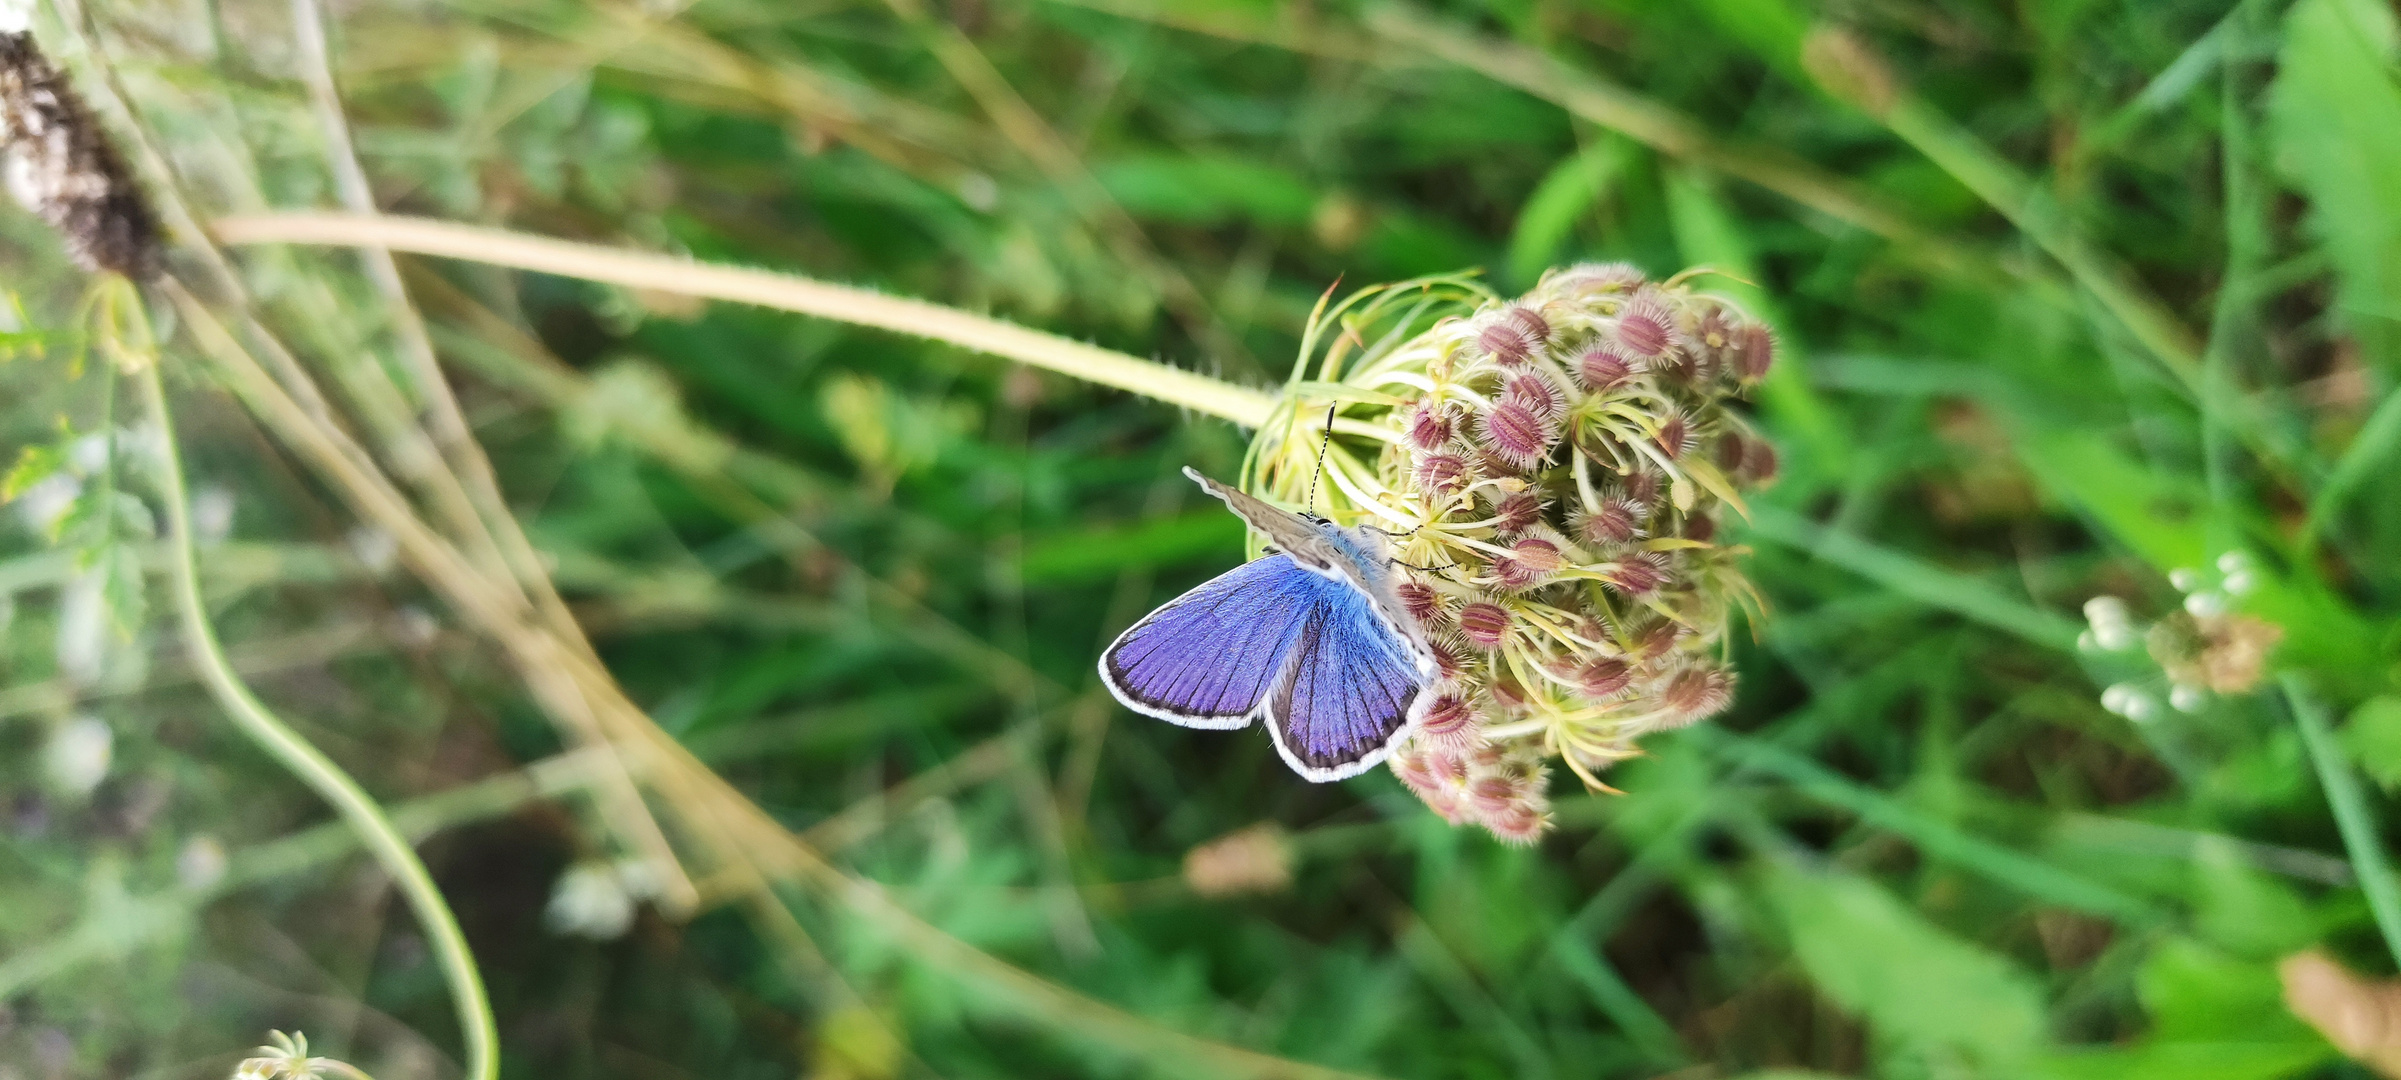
786,292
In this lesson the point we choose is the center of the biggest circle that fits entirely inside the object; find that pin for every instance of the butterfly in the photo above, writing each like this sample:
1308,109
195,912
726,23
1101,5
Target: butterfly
1310,638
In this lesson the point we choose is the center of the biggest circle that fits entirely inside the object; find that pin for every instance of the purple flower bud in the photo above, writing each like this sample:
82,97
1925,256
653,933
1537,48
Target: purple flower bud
1514,335
1431,425
1603,677
1675,435
1616,522
1517,511
1518,436
1753,353
1444,474
1420,601
1520,825
1602,367
1636,574
1451,721
1646,331
1695,694
1700,527
1484,624
1610,277
1538,394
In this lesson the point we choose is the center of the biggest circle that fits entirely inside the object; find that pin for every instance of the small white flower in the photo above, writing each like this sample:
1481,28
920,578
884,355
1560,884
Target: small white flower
82,641
2233,562
2240,582
2188,698
2205,604
415,627
979,192
2112,628
590,900
2126,700
375,548
201,863
2185,579
77,756
212,515
88,454
40,505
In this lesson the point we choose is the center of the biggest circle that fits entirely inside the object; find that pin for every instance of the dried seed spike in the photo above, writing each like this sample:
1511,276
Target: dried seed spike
63,166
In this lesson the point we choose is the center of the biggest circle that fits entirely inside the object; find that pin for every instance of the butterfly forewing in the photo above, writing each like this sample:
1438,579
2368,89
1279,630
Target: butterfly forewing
1208,657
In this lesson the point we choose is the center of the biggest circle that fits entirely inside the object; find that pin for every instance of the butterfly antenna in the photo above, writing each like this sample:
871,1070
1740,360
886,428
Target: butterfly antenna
1321,456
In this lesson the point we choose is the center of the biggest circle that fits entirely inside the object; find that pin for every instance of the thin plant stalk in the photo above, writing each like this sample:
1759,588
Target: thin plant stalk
304,761
2351,814
787,292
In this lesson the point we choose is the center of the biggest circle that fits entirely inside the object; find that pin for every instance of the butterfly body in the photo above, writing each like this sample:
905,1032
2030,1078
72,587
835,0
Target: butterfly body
1310,638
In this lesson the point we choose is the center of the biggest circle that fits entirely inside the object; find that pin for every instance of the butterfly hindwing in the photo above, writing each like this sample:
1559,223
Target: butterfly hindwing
1347,693
1207,658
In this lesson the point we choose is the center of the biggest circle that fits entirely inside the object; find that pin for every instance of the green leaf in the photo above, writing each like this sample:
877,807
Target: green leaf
1098,554
1550,212
1207,189
121,586
35,463
2335,108
2373,738
1913,982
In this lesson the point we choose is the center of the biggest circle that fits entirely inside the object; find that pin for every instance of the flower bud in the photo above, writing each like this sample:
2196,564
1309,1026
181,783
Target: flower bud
1638,573
1432,425
1517,436
1754,352
1514,336
1484,624
1517,511
1646,332
1602,677
1452,721
1675,435
1444,474
1617,521
1537,393
1420,600
1695,694
1602,368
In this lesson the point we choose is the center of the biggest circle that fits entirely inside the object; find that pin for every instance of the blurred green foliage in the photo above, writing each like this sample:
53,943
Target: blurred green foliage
2110,291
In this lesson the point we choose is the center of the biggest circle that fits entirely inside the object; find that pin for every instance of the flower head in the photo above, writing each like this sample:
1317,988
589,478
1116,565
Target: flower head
1558,464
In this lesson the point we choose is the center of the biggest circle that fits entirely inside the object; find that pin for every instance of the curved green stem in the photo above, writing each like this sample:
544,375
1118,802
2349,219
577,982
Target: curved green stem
305,761
2352,817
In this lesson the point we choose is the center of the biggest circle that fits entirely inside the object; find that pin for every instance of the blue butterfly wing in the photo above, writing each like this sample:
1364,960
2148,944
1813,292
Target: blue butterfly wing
1352,687
1207,658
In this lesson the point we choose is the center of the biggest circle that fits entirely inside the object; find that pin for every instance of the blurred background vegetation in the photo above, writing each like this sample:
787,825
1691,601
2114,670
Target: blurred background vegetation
2074,295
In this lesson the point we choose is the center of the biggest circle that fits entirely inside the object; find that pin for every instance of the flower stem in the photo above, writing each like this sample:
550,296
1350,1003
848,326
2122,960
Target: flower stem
312,767
637,270
2351,814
